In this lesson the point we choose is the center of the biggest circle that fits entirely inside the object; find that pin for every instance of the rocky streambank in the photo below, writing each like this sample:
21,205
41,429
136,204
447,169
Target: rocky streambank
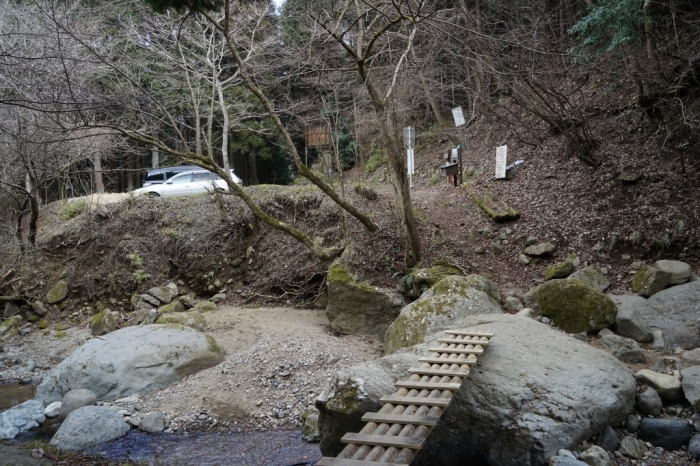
572,376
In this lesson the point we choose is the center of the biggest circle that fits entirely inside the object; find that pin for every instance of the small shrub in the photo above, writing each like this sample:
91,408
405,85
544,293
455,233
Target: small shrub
377,158
136,260
435,179
636,238
72,209
663,241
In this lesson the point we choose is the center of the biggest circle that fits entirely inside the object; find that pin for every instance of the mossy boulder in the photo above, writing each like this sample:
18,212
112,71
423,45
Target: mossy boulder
44,324
58,293
449,300
204,306
164,294
575,306
192,319
357,307
38,308
9,328
560,270
33,317
649,280
174,306
309,431
104,322
419,280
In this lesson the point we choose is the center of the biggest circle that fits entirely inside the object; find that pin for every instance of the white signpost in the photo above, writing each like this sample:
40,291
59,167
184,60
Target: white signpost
409,140
501,161
458,115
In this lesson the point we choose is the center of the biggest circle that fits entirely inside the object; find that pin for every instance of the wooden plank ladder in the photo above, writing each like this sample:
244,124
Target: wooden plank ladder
394,435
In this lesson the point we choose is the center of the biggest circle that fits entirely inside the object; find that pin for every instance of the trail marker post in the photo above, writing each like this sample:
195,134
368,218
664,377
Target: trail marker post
501,161
458,116
409,141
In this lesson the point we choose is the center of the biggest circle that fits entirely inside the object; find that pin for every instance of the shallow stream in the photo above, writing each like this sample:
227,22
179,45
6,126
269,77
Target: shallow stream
272,448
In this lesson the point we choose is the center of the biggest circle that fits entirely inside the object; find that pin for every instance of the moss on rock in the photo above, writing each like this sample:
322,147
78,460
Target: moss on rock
560,270
174,306
58,293
103,323
650,280
450,299
192,319
575,306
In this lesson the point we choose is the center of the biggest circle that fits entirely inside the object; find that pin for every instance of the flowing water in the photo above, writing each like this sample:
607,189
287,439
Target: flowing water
272,448
12,394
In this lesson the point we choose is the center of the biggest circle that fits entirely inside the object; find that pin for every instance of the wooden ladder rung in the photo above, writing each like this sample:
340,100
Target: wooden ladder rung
415,400
462,342
427,385
440,372
457,350
469,334
346,462
430,421
432,360
383,440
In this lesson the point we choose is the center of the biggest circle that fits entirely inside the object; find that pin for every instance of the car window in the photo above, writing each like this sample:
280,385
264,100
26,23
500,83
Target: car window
154,177
201,177
181,178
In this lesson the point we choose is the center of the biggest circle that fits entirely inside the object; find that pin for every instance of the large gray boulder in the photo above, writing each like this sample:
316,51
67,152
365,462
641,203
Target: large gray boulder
132,360
680,271
89,426
22,417
629,321
525,402
675,311
449,300
356,307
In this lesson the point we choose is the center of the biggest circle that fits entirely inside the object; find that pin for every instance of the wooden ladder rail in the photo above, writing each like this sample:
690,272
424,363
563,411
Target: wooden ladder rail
396,433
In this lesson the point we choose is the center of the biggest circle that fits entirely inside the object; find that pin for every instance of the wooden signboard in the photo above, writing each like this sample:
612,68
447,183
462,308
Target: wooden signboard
318,134
501,161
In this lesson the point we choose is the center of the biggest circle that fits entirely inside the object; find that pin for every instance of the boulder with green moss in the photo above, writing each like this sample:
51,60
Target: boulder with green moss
309,430
104,322
204,306
174,306
132,360
357,307
560,270
650,280
58,293
192,319
9,328
575,306
450,299
429,276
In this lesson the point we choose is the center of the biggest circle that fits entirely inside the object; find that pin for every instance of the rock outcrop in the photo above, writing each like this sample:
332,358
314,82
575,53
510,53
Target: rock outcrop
132,360
449,300
356,307
525,402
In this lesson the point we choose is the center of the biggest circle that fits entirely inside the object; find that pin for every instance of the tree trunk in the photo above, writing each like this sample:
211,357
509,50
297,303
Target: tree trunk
651,44
97,167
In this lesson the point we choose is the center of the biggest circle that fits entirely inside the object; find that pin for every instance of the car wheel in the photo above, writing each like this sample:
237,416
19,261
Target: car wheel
152,194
